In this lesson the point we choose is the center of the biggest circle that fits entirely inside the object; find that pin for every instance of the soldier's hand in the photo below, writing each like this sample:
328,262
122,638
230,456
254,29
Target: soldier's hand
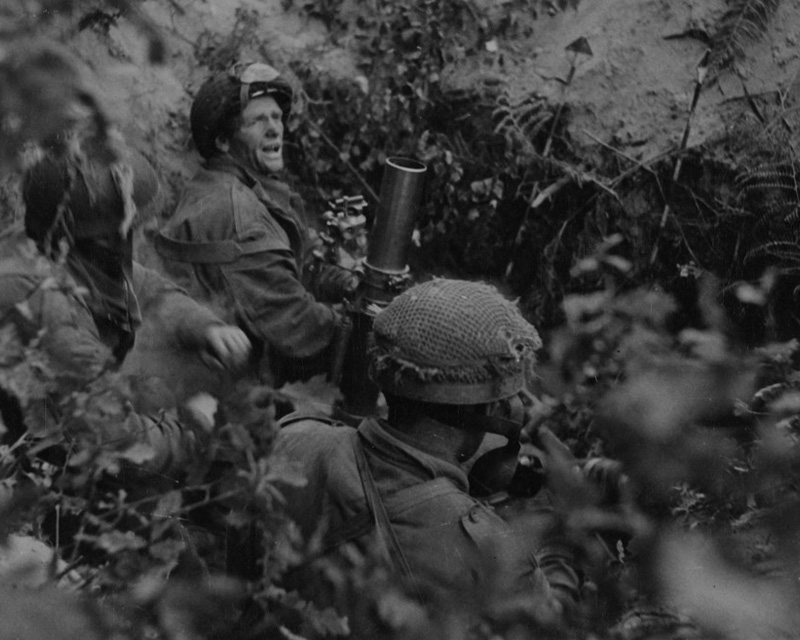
335,283
227,347
607,475
350,288
592,482
563,475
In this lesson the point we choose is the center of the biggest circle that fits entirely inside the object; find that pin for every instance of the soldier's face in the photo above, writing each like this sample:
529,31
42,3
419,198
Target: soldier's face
258,142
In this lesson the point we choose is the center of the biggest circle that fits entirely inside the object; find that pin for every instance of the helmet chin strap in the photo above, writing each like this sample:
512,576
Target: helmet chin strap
506,419
495,470
493,424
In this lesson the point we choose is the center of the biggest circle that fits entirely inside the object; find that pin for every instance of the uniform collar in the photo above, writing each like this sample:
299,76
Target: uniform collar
390,444
268,188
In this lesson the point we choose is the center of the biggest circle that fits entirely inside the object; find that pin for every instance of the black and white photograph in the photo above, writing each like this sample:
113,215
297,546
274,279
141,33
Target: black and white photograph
399,319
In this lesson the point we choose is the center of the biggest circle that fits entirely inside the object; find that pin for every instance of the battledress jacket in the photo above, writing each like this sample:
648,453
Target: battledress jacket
453,544
42,302
244,244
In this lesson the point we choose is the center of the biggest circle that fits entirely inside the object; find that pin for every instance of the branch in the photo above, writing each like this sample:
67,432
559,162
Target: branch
702,69
639,164
353,170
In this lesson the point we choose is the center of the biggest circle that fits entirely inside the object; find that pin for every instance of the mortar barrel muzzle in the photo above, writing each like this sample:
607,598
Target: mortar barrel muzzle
401,192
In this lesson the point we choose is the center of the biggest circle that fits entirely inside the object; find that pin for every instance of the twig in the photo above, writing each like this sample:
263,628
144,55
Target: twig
471,9
553,244
605,547
551,190
638,163
604,187
752,103
174,4
645,164
747,95
573,65
702,69
536,197
157,47
688,246
66,570
332,145
783,94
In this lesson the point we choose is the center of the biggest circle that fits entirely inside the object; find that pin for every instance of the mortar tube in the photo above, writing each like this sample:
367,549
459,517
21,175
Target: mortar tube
385,269
386,273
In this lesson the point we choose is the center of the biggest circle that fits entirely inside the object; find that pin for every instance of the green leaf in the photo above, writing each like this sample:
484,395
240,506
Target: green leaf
168,505
167,551
116,541
11,347
139,453
316,395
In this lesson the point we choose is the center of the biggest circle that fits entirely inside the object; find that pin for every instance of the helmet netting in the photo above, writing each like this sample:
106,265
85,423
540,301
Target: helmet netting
452,331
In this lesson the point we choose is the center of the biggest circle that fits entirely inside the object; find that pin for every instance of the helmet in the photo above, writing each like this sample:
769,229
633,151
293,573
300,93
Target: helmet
223,96
93,197
452,342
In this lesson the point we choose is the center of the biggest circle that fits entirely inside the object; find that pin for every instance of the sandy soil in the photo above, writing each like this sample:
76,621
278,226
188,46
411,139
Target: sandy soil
632,93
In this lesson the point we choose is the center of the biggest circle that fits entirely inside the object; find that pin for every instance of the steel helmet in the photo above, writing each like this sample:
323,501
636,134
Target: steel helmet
90,197
452,342
224,95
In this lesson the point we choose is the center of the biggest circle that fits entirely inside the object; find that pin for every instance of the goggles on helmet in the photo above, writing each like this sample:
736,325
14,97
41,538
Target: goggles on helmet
256,80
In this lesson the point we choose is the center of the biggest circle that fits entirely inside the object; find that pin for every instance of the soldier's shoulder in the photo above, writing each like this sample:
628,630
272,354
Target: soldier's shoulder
310,423
312,433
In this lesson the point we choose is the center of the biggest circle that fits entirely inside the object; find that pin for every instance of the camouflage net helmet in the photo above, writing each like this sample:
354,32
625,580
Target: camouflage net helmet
86,197
452,342
224,95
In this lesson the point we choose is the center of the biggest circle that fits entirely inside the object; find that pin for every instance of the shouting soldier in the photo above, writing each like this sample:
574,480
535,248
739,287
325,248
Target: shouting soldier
239,236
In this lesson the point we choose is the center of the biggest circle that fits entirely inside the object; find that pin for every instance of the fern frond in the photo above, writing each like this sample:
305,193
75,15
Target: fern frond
762,226
521,120
765,185
793,218
779,249
773,193
744,22
778,210
788,271
779,176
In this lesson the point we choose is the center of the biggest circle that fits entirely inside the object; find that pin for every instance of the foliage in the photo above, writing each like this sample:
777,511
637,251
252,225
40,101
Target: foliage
508,198
483,146
119,530
217,52
42,86
743,22
703,521
772,192
706,436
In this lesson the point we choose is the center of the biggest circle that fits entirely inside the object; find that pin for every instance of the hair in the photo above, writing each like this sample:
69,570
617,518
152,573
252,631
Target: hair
226,128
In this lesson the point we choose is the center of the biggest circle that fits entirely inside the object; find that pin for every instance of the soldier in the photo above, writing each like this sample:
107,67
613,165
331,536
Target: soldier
239,235
84,306
445,353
